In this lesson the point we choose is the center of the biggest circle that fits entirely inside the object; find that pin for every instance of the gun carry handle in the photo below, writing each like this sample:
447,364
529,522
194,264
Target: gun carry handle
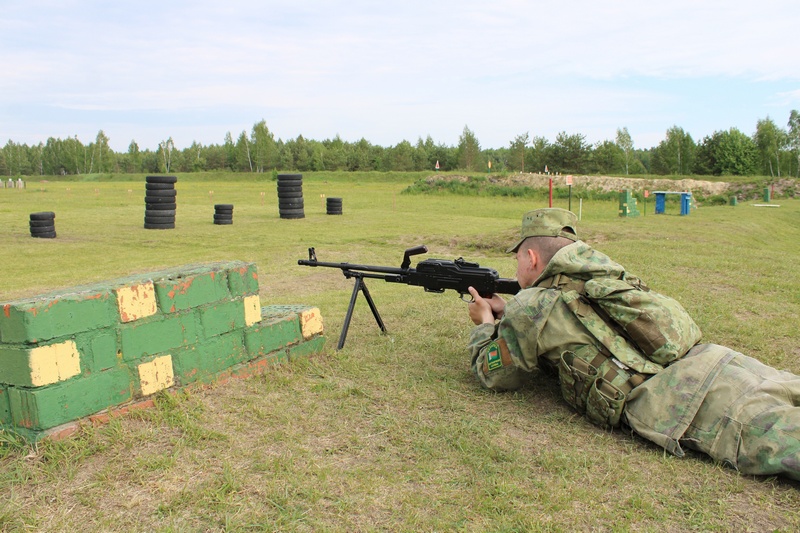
416,250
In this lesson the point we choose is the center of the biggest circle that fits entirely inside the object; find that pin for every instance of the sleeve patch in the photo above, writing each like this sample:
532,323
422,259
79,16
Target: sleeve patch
497,355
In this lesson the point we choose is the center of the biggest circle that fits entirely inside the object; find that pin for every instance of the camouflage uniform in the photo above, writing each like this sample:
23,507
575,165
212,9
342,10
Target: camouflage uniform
714,400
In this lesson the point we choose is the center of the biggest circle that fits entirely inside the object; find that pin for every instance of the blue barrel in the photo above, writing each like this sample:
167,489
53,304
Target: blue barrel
661,200
686,203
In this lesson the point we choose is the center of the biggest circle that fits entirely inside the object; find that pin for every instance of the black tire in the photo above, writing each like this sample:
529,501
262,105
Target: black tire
159,213
293,216
288,195
161,207
223,206
161,179
43,230
222,218
223,211
223,222
290,199
334,211
159,220
291,212
43,215
289,188
294,205
159,199
41,223
48,235
159,226
162,193
159,186
290,177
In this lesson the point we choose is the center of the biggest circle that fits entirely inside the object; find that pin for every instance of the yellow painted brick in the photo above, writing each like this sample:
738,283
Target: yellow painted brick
136,301
311,322
252,310
156,375
53,363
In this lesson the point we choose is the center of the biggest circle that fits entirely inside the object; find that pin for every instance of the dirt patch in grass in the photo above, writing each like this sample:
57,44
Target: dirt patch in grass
600,183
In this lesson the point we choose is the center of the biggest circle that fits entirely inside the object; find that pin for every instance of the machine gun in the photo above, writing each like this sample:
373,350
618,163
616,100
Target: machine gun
434,275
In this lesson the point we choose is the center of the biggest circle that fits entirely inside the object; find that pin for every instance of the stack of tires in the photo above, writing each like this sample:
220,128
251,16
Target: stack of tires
333,206
43,225
160,202
223,214
290,196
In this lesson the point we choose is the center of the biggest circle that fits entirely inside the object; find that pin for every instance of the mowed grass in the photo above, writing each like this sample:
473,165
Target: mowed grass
392,432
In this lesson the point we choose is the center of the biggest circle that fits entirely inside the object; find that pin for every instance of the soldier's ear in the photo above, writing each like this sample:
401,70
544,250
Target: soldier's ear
532,258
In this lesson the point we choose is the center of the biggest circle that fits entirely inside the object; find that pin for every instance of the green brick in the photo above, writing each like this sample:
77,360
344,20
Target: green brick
271,334
306,348
99,349
193,288
221,317
206,360
47,318
47,407
243,279
157,335
5,408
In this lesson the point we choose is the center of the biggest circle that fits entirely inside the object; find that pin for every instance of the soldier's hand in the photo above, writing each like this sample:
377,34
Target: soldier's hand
485,310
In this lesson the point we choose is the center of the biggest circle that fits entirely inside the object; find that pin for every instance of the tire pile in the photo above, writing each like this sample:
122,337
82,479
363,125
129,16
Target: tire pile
223,214
333,206
160,202
290,196
43,225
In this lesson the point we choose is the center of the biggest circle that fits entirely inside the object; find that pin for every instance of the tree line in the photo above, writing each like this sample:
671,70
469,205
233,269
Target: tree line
772,151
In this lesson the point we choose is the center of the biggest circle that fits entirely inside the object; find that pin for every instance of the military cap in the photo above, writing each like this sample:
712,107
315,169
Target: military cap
548,222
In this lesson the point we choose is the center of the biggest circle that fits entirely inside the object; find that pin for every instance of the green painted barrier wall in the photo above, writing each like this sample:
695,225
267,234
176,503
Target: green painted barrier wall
75,353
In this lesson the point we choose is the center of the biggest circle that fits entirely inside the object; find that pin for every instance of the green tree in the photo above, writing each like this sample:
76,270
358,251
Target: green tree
335,151
469,150
101,152
675,154
516,152
243,160
729,153
570,153
165,148
301,153
134,157
794,136
401,156
608,158
230,151
539,154
770,140
625,144
265,151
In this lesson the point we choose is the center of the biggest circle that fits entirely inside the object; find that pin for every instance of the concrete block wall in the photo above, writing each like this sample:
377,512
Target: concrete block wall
71,354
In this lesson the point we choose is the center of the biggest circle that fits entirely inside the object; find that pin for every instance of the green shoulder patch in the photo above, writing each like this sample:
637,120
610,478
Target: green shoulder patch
493,358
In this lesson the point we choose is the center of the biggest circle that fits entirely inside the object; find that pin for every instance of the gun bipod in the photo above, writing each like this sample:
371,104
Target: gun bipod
359,286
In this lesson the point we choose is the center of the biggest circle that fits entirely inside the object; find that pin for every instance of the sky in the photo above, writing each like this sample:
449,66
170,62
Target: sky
389,71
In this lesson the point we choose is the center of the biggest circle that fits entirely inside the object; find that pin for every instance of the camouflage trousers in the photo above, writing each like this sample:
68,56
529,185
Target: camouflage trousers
730,406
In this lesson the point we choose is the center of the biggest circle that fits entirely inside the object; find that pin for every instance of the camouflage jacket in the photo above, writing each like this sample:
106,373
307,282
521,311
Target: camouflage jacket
538,328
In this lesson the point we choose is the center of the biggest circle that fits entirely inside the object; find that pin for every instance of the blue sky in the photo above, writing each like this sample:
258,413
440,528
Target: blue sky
393,71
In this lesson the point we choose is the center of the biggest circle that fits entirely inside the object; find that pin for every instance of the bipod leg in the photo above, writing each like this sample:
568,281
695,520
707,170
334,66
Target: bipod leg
372,307
362,287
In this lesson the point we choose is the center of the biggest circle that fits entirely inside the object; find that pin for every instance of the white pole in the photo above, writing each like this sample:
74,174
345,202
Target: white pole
580,208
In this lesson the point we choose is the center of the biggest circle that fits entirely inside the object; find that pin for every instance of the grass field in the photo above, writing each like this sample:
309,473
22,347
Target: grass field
392,432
